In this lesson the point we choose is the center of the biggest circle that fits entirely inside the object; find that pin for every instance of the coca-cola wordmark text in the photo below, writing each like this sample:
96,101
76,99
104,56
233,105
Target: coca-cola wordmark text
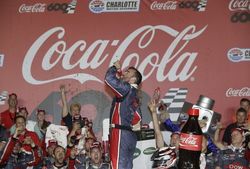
68,8
243,92
174,64
168,5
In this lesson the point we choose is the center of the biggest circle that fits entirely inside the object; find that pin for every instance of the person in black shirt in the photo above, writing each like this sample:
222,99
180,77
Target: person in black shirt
69,116
241,117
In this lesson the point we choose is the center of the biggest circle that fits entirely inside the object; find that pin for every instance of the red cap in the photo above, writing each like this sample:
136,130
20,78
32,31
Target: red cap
96,144
52,142
13,94
193,112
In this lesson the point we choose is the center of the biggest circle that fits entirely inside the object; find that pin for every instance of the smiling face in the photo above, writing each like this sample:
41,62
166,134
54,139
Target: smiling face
237,137
241,117
175,140
40,116
12,101
75,109
20,123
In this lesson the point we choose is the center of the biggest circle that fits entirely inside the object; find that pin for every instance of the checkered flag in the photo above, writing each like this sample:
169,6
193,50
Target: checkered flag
175,99
71,7
3,97
202,5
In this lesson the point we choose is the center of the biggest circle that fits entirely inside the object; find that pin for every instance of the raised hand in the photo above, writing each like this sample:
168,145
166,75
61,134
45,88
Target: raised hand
117,64
152,106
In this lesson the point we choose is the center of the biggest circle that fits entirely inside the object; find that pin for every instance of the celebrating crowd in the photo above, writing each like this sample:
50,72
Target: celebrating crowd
215,153
21,148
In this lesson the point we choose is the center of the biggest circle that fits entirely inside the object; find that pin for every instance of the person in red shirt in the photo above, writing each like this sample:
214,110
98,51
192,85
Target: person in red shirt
7,117
28,142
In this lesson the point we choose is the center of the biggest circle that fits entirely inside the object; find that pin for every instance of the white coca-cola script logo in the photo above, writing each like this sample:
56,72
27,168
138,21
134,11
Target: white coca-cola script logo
38,7
235,5
189,140
174,64
169,5
243,92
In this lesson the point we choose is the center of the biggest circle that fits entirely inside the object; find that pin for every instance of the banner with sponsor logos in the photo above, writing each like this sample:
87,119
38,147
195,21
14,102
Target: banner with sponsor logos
200,45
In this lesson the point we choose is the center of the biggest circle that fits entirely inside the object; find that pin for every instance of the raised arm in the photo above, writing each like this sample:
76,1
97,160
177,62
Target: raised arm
118,86
158,134
64,101
217,141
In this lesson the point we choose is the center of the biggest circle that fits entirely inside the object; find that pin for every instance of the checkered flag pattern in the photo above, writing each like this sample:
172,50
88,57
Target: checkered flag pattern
3,97
175,99
71,7
202,5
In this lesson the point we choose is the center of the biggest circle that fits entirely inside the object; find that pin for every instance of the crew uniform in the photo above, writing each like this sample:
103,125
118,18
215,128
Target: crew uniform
124,114
232,157
20,160
102,166
7,119
27,156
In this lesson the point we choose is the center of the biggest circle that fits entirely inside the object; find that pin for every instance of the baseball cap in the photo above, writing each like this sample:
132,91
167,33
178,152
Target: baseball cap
52,142
13,94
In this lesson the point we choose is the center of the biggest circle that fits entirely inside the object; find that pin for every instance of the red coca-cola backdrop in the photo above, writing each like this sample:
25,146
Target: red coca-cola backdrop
200,45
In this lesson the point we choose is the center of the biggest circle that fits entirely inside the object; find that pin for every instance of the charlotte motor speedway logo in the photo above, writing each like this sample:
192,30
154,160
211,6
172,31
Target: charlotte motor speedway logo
99,6
239,54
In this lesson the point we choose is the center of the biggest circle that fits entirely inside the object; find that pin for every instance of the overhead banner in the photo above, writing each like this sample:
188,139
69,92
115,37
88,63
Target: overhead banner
200,45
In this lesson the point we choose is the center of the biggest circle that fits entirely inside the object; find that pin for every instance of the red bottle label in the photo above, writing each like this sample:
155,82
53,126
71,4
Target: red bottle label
190,142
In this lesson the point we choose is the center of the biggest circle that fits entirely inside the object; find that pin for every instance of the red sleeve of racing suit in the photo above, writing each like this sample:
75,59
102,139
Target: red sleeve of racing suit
36,157
119,87
7,150
35,150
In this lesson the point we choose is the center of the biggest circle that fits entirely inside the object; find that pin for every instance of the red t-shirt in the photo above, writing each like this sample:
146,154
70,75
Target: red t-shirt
7,119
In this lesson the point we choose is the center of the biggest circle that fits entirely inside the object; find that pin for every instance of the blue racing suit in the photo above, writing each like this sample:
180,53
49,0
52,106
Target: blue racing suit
124,114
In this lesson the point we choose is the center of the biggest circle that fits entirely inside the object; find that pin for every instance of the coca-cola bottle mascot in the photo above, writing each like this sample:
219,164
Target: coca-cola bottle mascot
190,142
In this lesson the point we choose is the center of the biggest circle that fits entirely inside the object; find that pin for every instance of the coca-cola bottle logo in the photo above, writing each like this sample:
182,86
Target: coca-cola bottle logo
190,142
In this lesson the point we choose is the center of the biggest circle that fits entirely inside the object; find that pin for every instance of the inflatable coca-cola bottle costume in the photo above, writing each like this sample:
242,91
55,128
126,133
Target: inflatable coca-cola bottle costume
190,142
